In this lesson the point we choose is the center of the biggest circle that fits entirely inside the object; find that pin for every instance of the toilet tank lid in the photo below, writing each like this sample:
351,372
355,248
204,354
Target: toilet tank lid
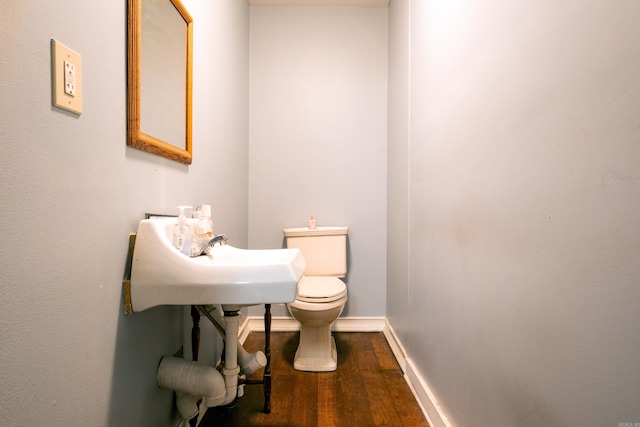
318,231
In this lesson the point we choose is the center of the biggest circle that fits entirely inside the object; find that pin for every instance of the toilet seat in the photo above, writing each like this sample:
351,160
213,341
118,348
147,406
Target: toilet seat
320,289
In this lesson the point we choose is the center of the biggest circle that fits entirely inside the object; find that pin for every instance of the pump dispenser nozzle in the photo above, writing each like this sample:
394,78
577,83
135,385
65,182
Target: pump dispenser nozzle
182,208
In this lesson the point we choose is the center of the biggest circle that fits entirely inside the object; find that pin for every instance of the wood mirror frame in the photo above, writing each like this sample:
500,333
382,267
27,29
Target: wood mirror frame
146,141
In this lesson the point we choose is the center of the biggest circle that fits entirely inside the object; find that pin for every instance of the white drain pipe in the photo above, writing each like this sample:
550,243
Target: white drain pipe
231,368
192,378
196,379
187,404
249,362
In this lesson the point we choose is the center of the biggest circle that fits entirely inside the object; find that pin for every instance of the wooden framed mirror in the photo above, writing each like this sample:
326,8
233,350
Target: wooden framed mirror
160,57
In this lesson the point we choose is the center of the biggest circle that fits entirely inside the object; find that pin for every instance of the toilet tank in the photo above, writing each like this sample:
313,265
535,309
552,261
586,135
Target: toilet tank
324,249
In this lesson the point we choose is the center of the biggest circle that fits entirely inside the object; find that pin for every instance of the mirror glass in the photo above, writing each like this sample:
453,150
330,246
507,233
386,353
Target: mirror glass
159,92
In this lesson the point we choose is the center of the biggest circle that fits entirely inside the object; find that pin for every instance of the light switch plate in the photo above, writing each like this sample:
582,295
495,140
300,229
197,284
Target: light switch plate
66,68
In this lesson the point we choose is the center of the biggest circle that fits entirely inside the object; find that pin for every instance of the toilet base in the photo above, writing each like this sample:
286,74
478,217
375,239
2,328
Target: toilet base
317,348
329,362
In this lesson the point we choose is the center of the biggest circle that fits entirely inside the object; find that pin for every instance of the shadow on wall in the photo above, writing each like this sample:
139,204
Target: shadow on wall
141,340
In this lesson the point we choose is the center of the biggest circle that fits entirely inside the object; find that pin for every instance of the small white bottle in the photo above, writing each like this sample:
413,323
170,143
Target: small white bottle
311,224
204,230
182,233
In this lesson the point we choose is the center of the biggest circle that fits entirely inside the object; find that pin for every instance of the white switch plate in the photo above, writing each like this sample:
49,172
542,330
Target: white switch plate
66,67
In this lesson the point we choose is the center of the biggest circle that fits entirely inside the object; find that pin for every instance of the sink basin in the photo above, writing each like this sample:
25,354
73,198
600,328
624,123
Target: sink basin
161,275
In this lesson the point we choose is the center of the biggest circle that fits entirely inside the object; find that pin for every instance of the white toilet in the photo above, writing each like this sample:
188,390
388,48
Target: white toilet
321,294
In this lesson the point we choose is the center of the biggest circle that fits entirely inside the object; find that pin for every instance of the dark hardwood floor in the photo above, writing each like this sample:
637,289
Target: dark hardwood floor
366,390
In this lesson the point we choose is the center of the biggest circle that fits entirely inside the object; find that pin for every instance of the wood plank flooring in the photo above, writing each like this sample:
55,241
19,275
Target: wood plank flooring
366,390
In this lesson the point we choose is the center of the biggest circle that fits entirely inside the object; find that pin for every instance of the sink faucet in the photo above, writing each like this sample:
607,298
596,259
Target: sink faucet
220,238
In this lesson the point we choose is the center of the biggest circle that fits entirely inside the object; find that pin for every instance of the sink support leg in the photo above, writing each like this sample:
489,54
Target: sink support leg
267,352
195,333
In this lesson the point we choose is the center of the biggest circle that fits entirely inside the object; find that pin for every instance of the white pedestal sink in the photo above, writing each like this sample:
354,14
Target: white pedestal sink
233,277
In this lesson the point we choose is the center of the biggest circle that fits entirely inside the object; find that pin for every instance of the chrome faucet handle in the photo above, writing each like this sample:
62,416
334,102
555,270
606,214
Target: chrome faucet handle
220,238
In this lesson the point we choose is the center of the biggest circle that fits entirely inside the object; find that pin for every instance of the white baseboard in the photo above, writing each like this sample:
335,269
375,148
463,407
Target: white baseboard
288,324
396,346
419,387
427,401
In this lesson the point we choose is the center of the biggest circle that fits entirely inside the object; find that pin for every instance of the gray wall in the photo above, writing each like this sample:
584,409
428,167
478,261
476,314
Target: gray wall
398,290
512,218
71,193
318,109
521,303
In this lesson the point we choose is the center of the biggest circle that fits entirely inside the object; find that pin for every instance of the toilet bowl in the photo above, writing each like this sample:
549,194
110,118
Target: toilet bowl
321,295
319,303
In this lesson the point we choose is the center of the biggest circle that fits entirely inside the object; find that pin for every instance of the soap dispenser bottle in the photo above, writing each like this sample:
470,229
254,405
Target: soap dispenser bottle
204,229
182,233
